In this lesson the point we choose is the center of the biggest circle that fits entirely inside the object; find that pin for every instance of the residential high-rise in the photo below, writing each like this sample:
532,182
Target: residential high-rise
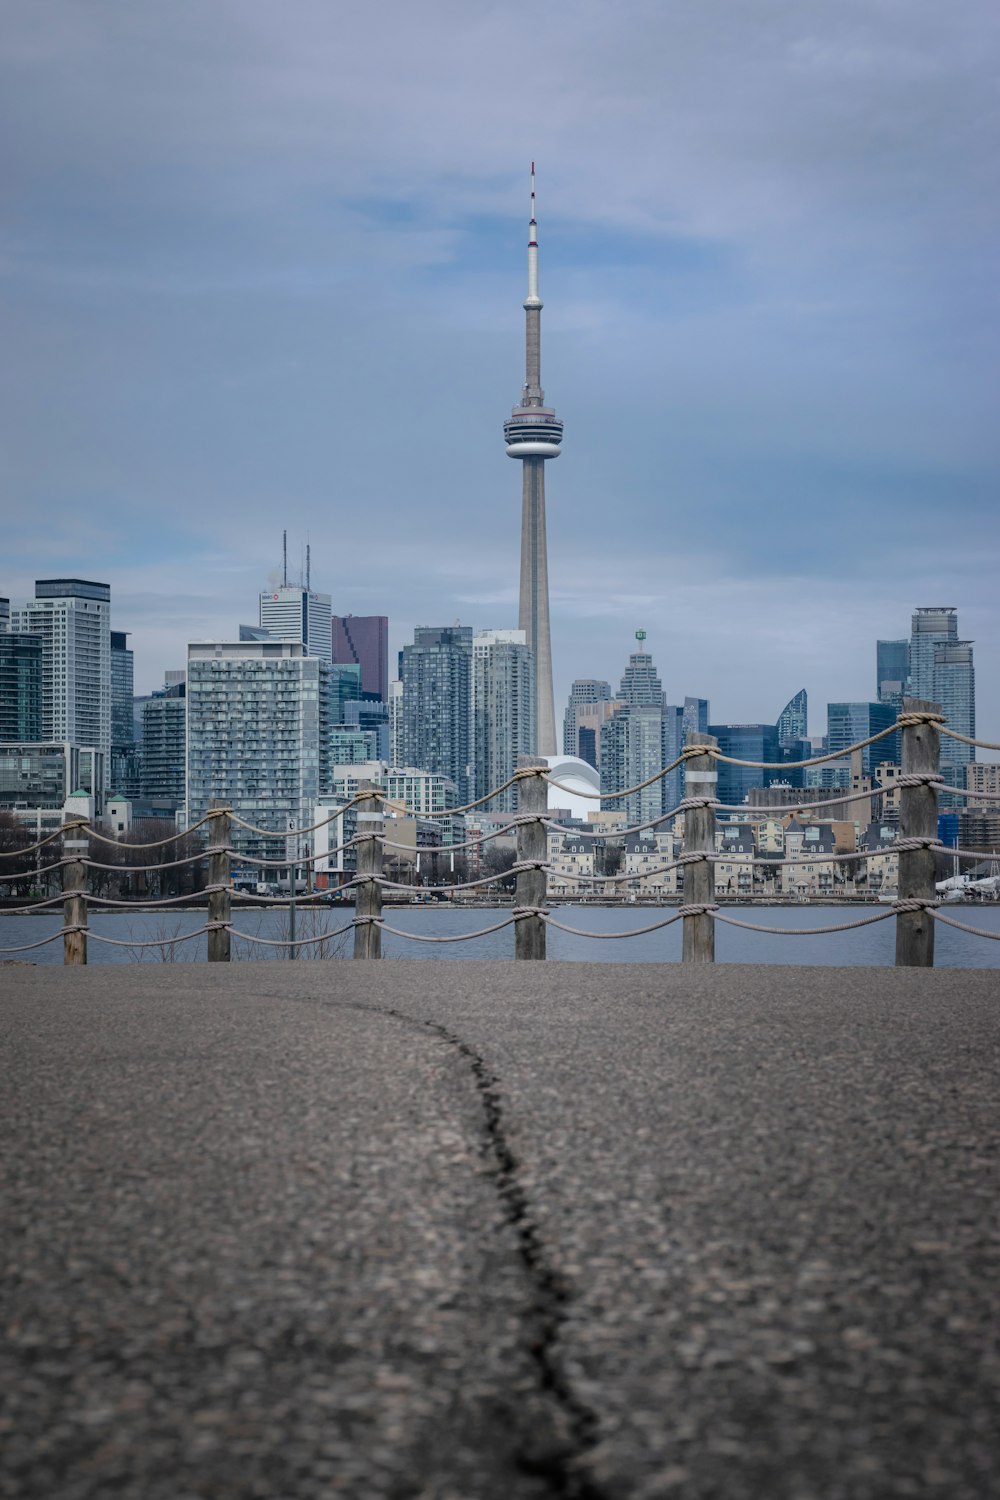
436,672
364,640
126,771
793,721
294,613
533,434
73,618
583,692
642,736
20,686
396,722
257,734
164,741
503,712
942,670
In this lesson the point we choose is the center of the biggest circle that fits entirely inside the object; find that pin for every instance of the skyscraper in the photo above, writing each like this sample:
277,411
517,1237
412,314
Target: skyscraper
436,672
583,692
793,720
257,734
503,717
20,686
942,670
294,613
892,671
641,738
533,434
73,618
126,772
364,639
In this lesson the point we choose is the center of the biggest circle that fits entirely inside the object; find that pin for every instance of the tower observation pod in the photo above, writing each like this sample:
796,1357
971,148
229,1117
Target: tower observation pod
533,434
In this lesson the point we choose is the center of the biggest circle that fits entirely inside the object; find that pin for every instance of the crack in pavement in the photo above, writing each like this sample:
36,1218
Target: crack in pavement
557,1464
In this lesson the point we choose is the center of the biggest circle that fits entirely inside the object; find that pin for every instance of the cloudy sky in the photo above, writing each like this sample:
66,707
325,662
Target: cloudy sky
264,266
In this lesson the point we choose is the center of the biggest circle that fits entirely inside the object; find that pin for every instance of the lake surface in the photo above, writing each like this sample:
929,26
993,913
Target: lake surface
870,945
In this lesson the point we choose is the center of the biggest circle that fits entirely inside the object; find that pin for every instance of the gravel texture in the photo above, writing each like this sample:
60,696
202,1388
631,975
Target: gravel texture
470,1230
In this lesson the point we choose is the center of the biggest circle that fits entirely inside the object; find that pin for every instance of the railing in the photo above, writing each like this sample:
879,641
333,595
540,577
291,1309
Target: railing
916,907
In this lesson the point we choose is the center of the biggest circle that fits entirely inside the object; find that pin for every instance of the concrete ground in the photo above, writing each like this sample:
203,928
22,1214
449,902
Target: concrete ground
472,1230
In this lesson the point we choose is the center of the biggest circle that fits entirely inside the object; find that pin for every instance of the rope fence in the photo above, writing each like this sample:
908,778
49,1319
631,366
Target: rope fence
914,905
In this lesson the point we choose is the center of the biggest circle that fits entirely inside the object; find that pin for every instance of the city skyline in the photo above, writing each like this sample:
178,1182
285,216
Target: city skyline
771,328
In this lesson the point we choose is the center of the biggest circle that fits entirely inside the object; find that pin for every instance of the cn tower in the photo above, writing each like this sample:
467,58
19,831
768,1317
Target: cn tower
533,434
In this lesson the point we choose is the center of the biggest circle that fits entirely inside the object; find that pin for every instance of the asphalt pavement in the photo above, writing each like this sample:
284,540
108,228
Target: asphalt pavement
473,1230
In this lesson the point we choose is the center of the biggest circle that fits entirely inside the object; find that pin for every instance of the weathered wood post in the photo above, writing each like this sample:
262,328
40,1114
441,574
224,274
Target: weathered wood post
918,814
700,780
219,901
368,893
74,884
532,846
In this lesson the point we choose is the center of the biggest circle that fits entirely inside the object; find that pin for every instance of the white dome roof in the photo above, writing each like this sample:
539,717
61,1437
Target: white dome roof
578,777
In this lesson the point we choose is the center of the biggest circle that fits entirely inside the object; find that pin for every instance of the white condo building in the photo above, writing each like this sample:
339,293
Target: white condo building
503,711
73,618
257,733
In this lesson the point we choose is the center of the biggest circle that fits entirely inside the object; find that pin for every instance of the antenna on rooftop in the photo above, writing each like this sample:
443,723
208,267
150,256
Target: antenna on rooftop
308,570
284,559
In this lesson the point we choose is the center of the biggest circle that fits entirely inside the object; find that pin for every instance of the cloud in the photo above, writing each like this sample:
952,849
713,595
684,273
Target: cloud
264,268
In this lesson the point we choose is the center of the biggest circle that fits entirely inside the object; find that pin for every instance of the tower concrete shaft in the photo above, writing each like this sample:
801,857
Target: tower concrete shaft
533,434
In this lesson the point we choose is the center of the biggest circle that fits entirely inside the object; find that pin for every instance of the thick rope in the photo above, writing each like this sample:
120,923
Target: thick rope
939,916
33,874
953,734
414,937
163,942
633,932
803,931
303,942
27,947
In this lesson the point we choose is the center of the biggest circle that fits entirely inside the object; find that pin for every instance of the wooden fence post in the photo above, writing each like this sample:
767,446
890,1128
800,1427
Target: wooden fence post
532,845
219,901
918,815
368,893
74,884
700,780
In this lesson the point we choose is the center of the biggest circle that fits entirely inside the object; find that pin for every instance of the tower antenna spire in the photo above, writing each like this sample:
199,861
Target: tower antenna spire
533,434
284,559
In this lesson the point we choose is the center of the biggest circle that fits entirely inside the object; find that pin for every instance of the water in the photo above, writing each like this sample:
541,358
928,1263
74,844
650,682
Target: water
870,946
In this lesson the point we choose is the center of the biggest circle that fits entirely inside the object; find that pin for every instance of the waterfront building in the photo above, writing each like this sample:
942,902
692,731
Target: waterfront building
364,640
436,672
164,744
257,735
584,692
72,617
533,434
20,685
503,712
294,613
